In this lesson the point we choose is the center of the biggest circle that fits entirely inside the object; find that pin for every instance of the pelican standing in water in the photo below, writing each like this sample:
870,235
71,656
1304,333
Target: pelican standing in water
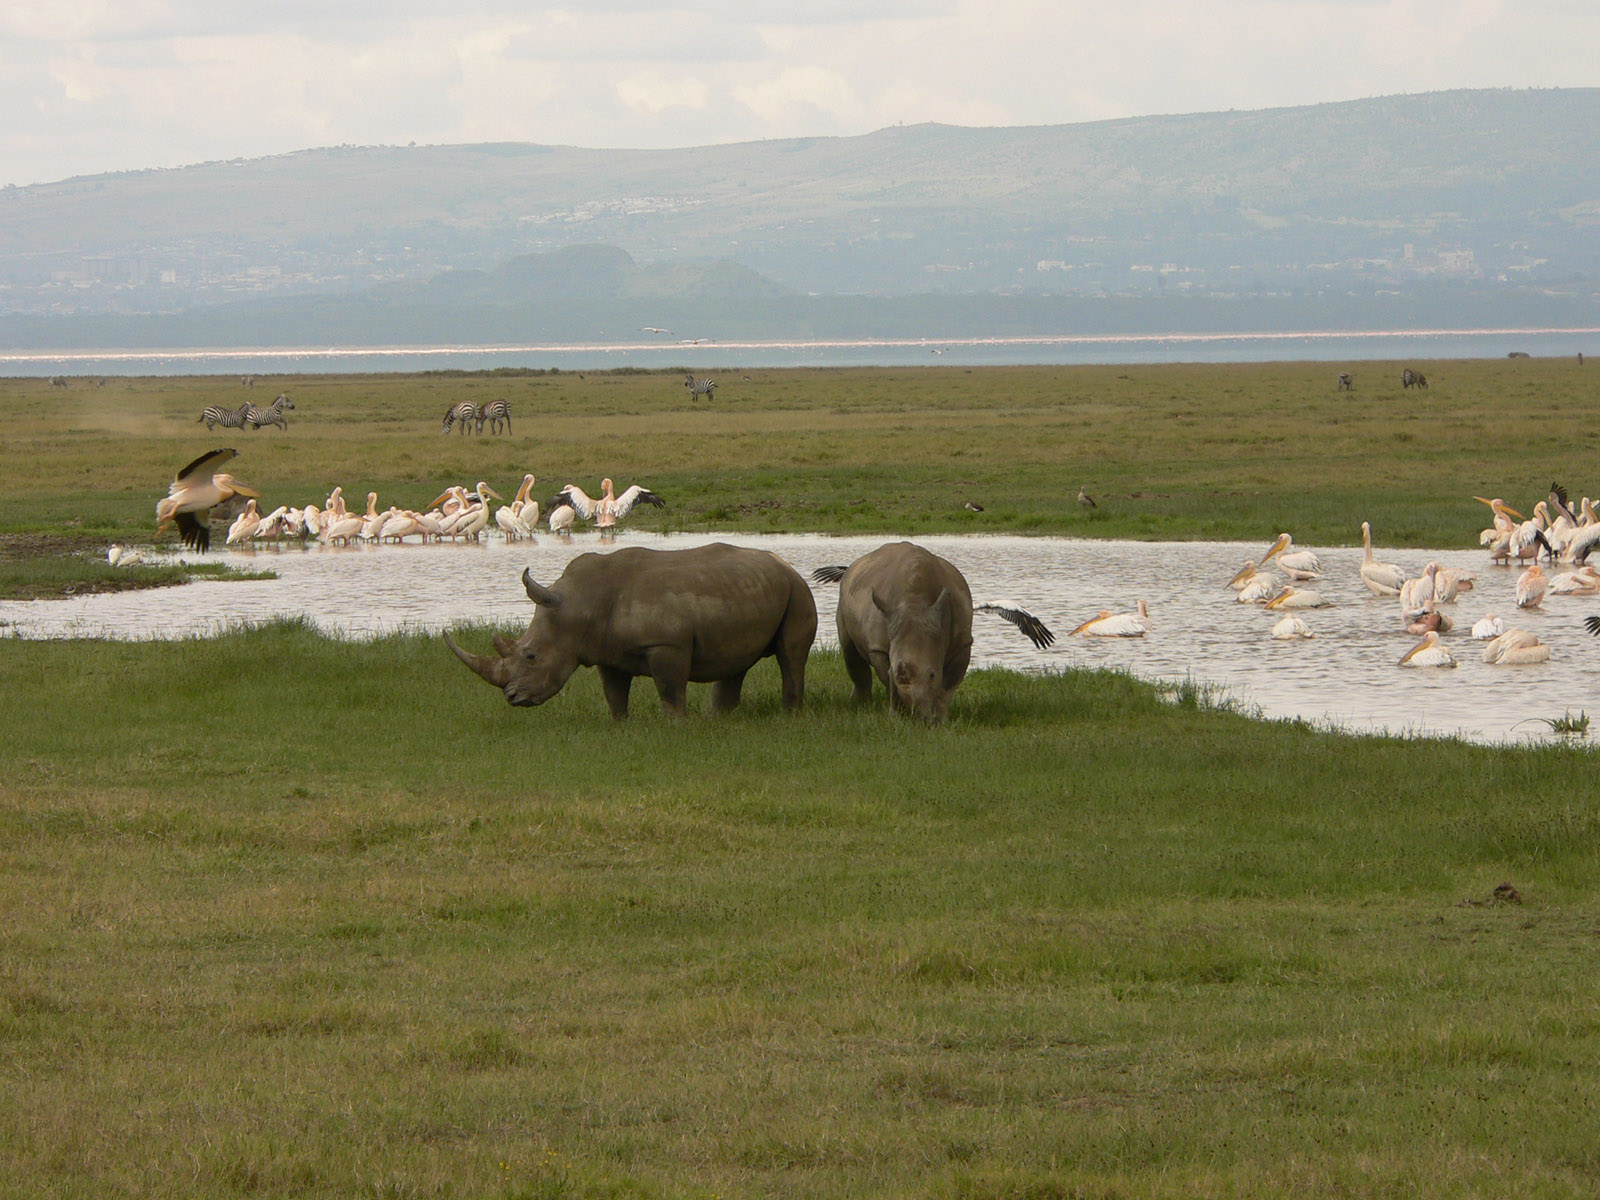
609,508
1498,536
199,488
1428,653
1381,578
1296,564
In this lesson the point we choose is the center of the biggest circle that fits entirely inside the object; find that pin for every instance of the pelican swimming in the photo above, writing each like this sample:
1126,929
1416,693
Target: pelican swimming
1254,586
198,489
1109,624
1296,564
1293,597
1516,647
1428,653
1382,579
1531,587
1488,626
609,508
1585,581
1291,627
1430,618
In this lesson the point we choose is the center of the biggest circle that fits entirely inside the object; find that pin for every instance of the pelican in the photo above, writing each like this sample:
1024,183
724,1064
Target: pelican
1293,597
1291,627
1585,536
560,518
1416,593
1428,653
1254,587
1084,499
114,554
1529,538
400,525
609,508
342,529
272,525
122,556
1488,626
1531,587
1449,581
373,521
526,510
1585,581
1498,536
1382,579
198,489
1431,618
1516,647
1296,564
1108,624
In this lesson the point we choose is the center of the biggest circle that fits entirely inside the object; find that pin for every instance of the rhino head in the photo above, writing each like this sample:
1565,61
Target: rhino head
919,640
538,664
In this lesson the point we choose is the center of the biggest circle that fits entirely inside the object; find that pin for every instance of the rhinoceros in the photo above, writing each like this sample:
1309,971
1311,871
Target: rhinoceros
905,614
705,615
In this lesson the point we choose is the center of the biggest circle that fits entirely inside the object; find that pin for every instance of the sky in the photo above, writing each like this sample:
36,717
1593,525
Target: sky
91,86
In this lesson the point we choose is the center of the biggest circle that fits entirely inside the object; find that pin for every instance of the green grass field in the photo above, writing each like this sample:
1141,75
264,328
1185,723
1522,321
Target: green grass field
285,916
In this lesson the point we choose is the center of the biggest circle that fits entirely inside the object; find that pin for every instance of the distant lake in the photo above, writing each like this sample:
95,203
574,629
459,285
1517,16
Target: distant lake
711,356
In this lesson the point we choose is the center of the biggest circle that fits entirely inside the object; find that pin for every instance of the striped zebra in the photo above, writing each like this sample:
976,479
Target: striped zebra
494,412
228,418
466,412
1410,378
256,416
699,387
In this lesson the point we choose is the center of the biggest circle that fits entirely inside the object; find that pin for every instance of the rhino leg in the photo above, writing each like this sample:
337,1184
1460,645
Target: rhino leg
616,685
725,693
670,670
859,669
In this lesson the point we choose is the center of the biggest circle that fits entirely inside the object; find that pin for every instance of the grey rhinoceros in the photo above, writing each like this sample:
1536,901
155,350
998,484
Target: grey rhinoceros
705,615
905,614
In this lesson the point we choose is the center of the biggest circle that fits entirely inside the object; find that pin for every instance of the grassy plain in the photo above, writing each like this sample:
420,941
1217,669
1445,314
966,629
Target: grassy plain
285,916
1170,451
290,917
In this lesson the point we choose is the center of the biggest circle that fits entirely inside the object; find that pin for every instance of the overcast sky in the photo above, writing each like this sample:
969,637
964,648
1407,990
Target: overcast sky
101,85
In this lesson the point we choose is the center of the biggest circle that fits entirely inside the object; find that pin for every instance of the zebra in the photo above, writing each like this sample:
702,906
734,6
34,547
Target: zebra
466,412
228,418
1410,378
256,416
699,387
494,412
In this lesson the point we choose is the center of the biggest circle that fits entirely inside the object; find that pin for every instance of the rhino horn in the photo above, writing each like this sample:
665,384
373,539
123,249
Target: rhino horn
503,645
492,670
537,592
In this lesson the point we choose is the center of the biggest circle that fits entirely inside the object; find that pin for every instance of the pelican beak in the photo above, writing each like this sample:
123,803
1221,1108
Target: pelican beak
1506,508
1245,572
1277,548
486,490
439,499
241,490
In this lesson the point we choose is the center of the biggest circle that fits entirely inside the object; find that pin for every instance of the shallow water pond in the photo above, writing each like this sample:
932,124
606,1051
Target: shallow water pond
1347,675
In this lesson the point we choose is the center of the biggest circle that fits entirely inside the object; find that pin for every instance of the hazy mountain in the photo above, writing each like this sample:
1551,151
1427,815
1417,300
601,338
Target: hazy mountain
1454,198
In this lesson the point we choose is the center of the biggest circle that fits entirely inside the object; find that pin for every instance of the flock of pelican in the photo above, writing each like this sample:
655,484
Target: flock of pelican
1278,581
457,514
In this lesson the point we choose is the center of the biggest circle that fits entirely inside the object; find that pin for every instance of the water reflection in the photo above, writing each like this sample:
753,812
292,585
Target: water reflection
1346,675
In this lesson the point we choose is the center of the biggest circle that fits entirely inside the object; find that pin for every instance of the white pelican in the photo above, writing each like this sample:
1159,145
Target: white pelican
1448,582
1498,536
400,525
122,556
1488,626
198,489
1253,586
373,521
526,510
272,525
560,519
1528,538
1415,594
610,507
1291,627
114,554
1516,647
1293,597
1428,653
342,529
1109,624
244,525
1585,581
1531,587
1382,579
1296,564
1586,536
1430,618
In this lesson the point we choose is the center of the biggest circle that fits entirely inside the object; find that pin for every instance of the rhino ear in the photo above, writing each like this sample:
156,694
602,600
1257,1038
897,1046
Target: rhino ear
537,592
942,606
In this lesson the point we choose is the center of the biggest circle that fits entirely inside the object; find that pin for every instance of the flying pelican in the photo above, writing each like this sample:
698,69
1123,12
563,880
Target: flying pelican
1488,626
1428,653
1516,647
1108,624
198,489
1291,627
1531,587
1296,564
1084,499
1585,581
1293,597
609,508
1382,579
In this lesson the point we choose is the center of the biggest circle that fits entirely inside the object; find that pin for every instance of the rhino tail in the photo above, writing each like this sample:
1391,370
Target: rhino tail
828,574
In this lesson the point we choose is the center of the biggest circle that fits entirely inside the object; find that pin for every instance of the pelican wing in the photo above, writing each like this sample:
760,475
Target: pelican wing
204,466
574,495
1032,628
829,574
637,495
195,529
